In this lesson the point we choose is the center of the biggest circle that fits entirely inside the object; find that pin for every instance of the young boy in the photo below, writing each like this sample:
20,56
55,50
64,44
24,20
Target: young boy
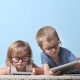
53,54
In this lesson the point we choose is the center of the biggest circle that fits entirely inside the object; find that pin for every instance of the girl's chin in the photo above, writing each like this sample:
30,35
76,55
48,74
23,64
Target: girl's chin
20,67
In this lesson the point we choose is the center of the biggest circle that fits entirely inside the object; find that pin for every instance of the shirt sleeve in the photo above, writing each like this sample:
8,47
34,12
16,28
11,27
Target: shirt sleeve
44,58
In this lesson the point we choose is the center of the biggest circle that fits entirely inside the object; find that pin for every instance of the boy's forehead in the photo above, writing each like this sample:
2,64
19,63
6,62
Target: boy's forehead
49,43
48,37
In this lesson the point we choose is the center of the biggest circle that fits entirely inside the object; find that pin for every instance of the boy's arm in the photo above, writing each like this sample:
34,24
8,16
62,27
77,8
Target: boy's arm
48,71
78,65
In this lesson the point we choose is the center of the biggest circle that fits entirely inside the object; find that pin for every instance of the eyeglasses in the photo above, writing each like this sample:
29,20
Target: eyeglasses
54,46
49,49
17,59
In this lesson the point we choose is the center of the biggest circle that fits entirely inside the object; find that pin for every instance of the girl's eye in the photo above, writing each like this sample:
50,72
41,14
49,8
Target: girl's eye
17,58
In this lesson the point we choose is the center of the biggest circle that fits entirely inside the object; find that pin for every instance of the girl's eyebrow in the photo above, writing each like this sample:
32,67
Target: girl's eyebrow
21,56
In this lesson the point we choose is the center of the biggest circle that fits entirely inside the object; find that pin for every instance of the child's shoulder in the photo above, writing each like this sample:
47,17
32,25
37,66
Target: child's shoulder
62,49
65,52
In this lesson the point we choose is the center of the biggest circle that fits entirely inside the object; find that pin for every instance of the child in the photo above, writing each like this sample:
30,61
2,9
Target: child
53,55
19,59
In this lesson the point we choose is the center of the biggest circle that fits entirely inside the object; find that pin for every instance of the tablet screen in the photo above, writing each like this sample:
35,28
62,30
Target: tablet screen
22,73
67,68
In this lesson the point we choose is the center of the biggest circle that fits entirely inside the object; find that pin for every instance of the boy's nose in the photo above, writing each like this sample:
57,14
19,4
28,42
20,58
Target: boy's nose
53,49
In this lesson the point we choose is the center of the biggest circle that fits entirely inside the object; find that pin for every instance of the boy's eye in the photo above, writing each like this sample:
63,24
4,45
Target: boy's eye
49,48
52,47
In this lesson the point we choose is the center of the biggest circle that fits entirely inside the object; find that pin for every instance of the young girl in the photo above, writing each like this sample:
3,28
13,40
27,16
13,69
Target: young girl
19,59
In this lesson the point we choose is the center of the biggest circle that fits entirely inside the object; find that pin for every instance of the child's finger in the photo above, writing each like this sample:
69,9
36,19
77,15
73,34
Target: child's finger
57,72
33,71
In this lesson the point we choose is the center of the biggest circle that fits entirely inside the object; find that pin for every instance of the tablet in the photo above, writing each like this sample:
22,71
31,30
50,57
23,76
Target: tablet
67,68
22,73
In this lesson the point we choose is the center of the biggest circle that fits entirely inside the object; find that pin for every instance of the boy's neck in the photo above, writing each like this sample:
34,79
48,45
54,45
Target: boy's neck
56,59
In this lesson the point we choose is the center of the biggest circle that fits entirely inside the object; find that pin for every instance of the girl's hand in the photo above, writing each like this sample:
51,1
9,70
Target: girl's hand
37,71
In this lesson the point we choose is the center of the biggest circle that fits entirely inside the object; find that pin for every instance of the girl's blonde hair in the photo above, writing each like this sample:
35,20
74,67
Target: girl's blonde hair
47,33
18,46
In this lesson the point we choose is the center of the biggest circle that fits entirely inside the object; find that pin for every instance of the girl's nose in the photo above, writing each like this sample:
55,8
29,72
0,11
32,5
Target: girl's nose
20,60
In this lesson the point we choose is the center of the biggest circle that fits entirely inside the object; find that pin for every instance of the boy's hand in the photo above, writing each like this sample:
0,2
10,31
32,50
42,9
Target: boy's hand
56,72
50,72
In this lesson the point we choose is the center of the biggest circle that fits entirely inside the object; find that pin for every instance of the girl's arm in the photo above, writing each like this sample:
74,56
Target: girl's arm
37,70
4,71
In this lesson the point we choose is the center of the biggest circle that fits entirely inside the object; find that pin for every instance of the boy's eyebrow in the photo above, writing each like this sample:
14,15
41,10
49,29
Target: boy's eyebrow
53,46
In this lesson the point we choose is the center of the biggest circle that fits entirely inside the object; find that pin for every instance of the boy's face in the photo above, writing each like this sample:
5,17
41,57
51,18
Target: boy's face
20,60
51,48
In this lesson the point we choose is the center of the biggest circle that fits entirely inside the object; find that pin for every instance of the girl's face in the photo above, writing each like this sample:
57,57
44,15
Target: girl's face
20,60
51,48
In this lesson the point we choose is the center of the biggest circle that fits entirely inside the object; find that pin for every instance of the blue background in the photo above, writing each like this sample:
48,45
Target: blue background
20,19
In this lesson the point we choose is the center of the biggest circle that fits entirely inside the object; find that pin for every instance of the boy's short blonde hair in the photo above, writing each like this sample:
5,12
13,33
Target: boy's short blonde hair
47,33
18,46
